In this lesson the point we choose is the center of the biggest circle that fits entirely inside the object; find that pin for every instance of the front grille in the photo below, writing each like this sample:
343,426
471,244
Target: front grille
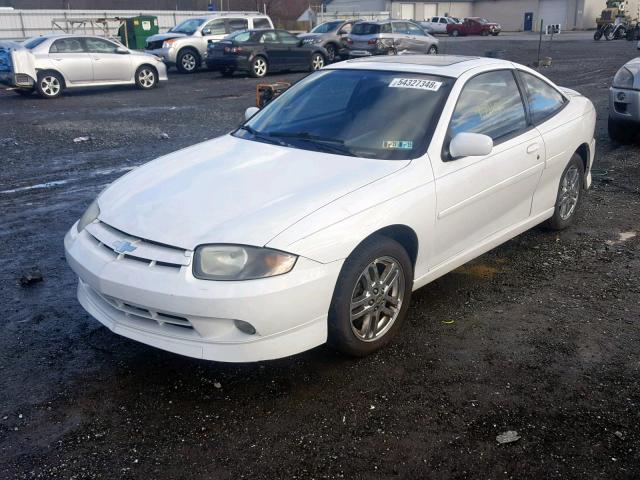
154,45
125,247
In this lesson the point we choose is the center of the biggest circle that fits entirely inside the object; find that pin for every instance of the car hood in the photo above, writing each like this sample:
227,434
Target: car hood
303,36
231,190
164,36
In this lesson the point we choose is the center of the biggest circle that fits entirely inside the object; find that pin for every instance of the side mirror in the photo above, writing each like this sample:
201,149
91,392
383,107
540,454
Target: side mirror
467,144
250,112
206,31
122,50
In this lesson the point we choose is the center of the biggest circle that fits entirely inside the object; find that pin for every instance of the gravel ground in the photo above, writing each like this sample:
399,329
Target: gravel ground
539,336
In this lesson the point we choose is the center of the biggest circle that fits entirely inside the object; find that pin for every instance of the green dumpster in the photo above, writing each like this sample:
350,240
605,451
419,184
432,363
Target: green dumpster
134,31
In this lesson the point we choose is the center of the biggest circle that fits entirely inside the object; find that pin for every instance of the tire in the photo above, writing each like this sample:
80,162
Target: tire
608,32
50,84
352,329
146,77
620,132
570,193
332,52
433,50
455,33
495,34
598,34
24,92
392,51
259,67
227,72
187,61
317,62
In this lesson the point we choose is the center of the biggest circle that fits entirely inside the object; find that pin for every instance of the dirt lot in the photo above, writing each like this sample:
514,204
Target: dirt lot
540,335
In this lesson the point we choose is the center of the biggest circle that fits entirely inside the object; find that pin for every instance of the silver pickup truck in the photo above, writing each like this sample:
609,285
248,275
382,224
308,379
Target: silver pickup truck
185,45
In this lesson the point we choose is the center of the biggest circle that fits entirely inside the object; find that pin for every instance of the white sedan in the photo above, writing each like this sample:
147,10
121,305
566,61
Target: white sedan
314,221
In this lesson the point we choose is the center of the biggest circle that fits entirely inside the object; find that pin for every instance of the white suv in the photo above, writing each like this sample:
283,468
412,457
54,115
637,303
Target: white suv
185,45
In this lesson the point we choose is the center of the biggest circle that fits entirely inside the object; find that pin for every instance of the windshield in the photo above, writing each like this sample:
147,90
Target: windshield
372,114
326,27
33,42
365,29
188,27
483,20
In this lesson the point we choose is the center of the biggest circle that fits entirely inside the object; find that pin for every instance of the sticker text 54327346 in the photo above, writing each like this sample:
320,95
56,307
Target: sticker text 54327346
418,83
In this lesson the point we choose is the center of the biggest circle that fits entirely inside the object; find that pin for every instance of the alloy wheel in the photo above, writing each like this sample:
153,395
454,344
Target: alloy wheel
569,192
188,61
432,50
318,62
50,86
146,78
377,299
260,67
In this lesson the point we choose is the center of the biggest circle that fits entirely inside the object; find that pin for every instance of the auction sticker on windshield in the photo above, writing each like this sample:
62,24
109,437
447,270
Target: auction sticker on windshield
418,83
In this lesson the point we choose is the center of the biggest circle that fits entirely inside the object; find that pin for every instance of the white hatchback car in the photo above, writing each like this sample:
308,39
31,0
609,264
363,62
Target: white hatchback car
315,220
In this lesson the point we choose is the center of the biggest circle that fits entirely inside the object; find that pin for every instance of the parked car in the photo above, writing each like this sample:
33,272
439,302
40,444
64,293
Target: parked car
624,103
261,51
474,26
437,24
331,36
315,220
52,63
185,45
389,37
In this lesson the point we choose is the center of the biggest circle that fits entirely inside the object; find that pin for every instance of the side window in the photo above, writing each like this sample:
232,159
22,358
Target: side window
543,99
288,39
443,20
261,23
346,28
490,103
434,20
414,30
269,37
215,27
400,27
237,24
66,45
385,28
98,45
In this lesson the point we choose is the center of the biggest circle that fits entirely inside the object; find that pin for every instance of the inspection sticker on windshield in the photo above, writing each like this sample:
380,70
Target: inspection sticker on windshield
397,144
418,83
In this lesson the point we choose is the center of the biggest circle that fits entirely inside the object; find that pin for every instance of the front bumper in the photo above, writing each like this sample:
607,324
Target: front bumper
624,105
168,55
170,309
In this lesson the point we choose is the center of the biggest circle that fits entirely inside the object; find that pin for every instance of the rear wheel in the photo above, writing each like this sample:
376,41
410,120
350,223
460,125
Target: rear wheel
495,34
317,62
433,50
620,132
50,84
371,297
455,33
608,32
569,194
484,33
188,60
259,67
146,77
598,34
332,52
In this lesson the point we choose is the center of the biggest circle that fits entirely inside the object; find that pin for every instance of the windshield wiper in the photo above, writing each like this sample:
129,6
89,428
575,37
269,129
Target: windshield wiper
265,137
330,145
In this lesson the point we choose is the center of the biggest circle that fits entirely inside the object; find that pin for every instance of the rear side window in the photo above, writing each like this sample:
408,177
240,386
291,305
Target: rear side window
238,24
490,104
261,23
66,45
365,29
544,100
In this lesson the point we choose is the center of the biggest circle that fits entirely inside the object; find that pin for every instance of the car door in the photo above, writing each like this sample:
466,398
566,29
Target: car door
442,25
474,27
298,55
214,30
478,197
108,65
68,55
400,34
419,42
276,50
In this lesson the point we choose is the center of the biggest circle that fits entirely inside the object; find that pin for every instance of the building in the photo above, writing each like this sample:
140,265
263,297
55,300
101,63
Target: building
513,15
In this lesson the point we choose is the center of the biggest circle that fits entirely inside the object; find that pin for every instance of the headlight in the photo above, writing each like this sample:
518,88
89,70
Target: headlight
623,79
168,43
88,216
238,262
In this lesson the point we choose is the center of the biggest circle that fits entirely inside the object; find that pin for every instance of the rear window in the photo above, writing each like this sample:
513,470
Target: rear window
365,29
33,42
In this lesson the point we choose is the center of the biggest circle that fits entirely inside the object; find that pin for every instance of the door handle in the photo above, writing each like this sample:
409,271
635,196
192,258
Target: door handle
58,59
533,148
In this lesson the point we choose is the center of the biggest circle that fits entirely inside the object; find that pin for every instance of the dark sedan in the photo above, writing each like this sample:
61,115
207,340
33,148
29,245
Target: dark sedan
262,51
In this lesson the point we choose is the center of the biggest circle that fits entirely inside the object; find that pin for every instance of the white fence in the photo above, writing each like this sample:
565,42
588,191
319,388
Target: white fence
19,24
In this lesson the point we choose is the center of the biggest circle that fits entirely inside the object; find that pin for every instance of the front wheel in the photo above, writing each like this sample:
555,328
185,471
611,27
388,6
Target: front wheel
317,62
598,34
433,50
608,32
332,53
495,34
371,297
146,77
569,194
484,33
259,67
188,61
50,84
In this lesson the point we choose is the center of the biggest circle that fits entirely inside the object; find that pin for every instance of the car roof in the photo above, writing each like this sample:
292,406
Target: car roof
445,65
227,15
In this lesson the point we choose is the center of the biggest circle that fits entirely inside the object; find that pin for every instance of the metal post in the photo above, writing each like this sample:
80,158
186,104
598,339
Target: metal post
24,34
540,41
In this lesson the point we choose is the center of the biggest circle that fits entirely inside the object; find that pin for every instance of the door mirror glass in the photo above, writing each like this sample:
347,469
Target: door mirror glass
467,144
250,112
